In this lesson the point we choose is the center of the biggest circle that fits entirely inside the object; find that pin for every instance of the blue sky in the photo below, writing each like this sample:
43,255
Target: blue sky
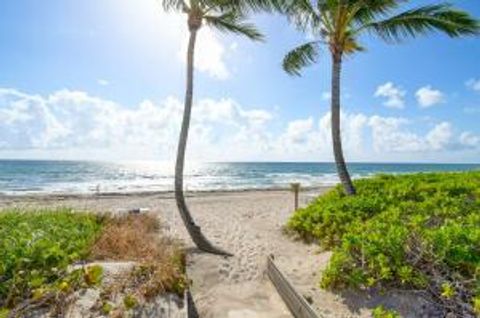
104,79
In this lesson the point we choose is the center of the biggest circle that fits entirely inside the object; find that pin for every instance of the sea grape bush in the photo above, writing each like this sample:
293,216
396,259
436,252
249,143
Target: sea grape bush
36,248
417,231
382,312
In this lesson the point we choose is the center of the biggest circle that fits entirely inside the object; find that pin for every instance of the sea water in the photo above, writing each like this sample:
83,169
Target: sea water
80,177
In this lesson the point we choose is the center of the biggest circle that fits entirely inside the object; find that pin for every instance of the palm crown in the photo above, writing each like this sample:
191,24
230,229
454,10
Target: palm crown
223,15
338,24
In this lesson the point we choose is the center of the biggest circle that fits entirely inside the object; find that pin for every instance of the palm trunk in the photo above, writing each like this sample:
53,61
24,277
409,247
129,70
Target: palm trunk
194,230
336,135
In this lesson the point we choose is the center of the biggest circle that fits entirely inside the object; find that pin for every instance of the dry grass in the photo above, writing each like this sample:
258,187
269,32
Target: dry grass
138,238
133,238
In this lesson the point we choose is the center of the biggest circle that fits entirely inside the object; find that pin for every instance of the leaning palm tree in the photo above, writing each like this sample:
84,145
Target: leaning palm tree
226,16
339,24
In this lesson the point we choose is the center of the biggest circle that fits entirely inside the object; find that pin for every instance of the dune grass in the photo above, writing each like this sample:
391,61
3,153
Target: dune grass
137,238
418,231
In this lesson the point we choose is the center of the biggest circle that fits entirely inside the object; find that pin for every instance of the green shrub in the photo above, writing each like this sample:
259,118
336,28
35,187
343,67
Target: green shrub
408,231
129,301
381,312
36,247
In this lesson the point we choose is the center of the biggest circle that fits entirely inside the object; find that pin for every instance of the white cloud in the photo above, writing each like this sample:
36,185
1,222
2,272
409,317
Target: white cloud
428,97
353,126
310,139
210,51
440,136
395,95
298,130
75,120
390,135
473,84
75,125
209,54
468,139
256,117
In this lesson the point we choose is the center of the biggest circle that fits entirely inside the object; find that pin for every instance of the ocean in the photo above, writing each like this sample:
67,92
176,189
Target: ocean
19,177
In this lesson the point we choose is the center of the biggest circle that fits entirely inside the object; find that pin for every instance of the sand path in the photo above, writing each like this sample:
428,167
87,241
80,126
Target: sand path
249,225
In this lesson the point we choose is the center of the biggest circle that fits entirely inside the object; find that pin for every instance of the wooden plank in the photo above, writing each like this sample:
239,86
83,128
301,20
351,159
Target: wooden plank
296,303
191,310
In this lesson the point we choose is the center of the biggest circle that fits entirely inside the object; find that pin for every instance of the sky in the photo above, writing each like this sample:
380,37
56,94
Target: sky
104,80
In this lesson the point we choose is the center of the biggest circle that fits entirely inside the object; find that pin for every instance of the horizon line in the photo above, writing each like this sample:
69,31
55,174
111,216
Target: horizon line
239,161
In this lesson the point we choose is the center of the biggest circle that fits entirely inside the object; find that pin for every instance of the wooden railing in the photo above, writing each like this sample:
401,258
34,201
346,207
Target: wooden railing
296,303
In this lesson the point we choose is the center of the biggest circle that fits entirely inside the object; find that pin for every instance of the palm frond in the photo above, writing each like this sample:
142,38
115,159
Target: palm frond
264,5
302,14
300,57
419,21
365,11
173,5
245,6
234,22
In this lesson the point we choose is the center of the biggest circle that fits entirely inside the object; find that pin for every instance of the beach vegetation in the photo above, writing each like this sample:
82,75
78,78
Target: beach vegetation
416,232
339,26
39,248
382,312
130,301
36,248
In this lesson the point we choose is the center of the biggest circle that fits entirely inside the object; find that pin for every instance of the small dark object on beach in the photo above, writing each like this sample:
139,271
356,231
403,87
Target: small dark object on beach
138,210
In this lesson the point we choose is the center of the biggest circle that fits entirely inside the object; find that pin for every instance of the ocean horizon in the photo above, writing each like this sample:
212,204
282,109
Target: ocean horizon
23,177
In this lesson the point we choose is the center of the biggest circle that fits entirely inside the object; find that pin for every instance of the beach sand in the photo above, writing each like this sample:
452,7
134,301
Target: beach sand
247,224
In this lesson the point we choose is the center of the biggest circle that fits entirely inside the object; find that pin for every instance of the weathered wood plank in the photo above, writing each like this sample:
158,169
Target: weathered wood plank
296,303
191,310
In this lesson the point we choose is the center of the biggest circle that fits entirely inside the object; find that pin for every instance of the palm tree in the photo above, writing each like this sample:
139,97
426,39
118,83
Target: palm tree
338,24
226,16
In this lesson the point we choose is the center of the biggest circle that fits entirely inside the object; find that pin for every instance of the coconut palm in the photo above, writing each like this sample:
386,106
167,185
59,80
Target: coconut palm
226,16
339,24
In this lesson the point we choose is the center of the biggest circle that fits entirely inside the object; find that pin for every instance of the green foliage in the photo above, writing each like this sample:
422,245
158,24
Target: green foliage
476,305
93,275
408,231
4,312
107,308
36,247
381,312
129,301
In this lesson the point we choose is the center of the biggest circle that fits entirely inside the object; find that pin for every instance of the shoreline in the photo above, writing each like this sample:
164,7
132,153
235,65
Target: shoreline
161,194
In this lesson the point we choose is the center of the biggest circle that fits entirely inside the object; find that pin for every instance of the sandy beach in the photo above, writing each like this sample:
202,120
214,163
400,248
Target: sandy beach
247,224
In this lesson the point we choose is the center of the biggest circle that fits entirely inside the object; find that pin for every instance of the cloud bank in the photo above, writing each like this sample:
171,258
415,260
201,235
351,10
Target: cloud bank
75,125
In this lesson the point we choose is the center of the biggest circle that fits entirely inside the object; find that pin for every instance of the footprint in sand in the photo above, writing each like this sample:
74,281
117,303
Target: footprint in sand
225,269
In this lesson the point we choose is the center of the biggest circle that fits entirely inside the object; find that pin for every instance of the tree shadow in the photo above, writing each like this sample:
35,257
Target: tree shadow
407,303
